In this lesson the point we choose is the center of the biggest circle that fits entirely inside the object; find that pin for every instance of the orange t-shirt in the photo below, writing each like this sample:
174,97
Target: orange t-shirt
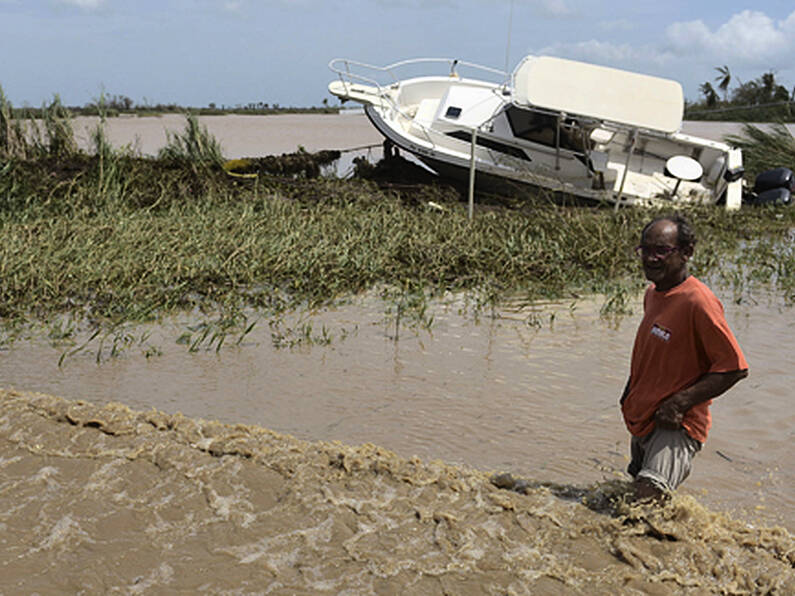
683,336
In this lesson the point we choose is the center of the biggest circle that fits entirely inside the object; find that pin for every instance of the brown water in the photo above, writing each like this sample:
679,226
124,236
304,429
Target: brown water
239,135
251,136
103,499
530,391
99,499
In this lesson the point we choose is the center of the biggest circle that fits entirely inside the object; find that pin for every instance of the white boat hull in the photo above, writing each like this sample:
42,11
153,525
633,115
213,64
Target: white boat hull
435,118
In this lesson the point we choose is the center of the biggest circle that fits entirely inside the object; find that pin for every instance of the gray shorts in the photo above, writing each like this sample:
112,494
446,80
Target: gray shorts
663,457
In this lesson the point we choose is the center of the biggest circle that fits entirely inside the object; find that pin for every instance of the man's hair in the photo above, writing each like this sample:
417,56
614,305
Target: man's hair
684,233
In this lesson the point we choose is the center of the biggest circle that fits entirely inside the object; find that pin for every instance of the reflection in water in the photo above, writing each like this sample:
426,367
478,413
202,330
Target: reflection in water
532,392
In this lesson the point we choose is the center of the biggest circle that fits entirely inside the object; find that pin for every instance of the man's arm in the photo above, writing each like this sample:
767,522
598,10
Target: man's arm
672,411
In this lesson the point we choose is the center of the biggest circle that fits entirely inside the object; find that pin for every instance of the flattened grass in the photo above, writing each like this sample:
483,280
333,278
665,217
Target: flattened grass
225,247
110,239
286,243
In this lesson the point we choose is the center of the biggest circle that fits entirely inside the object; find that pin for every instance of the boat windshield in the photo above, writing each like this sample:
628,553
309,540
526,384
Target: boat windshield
541,127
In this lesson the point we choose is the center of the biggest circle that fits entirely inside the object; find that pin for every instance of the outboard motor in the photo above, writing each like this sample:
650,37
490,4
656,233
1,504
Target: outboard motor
774,196
775,178
773,187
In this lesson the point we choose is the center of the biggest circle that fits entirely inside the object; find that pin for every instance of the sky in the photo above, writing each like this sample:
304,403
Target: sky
236,52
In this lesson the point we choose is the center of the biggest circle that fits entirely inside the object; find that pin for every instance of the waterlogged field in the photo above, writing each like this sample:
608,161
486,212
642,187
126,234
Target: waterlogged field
344,310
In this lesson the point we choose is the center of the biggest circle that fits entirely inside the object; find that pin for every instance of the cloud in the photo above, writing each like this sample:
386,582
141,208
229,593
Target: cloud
749,41
549,8
555,8
604,52
84,4
619,25
748,36
788,24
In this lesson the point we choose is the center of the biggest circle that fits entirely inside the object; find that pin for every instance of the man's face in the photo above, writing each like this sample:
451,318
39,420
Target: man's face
664,261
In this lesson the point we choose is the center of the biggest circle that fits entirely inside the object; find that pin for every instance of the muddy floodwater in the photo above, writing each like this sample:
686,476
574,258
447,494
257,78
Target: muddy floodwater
337,452
240,135
243,135
531,391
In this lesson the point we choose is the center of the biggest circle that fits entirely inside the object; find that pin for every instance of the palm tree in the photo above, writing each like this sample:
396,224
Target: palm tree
709,94
724,79
768,86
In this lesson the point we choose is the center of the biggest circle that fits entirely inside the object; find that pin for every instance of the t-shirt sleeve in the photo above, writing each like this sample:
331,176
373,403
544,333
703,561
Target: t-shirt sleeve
717,342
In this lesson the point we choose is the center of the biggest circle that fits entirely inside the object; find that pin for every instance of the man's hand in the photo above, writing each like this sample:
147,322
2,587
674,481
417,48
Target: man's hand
672,411
670,414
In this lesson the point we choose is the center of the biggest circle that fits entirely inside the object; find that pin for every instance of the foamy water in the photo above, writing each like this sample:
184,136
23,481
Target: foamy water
107,500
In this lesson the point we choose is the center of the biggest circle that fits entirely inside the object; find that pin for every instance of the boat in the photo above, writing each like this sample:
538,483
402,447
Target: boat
575,129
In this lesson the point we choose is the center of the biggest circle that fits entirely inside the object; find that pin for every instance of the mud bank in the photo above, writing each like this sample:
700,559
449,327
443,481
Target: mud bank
103,499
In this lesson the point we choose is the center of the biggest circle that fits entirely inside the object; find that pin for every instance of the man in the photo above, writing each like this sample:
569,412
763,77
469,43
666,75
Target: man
684,356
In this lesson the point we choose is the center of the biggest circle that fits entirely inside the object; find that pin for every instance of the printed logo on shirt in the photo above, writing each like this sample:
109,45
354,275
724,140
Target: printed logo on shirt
661,332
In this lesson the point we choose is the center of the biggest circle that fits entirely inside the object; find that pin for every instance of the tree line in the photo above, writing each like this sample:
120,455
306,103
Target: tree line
762,99
113,105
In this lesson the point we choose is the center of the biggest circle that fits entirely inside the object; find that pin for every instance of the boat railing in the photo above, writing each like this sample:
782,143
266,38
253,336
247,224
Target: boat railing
350,71
381,78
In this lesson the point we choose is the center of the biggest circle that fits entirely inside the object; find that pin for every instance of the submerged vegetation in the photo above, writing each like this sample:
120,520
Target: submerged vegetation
105,240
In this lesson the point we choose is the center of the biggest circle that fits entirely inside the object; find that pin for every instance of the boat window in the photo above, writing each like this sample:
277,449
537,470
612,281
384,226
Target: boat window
540,128
452,112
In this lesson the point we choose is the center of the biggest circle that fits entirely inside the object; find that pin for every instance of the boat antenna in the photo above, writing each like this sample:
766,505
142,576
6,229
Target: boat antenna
508,44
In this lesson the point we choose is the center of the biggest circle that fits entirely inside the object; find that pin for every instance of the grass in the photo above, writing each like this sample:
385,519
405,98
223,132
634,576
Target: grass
194,145
272,250
12,138
51,135
764,150
109,240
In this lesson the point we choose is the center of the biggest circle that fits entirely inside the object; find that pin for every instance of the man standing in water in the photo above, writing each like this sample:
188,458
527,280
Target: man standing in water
684,356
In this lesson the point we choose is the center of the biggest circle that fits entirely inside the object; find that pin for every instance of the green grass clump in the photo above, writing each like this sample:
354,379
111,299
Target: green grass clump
48,136
12,137
764,150
195,145
53,135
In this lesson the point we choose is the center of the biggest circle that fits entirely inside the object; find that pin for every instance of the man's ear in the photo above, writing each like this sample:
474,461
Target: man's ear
687,251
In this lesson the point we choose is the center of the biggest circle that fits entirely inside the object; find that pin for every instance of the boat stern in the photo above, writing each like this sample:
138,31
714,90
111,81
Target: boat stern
734,190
